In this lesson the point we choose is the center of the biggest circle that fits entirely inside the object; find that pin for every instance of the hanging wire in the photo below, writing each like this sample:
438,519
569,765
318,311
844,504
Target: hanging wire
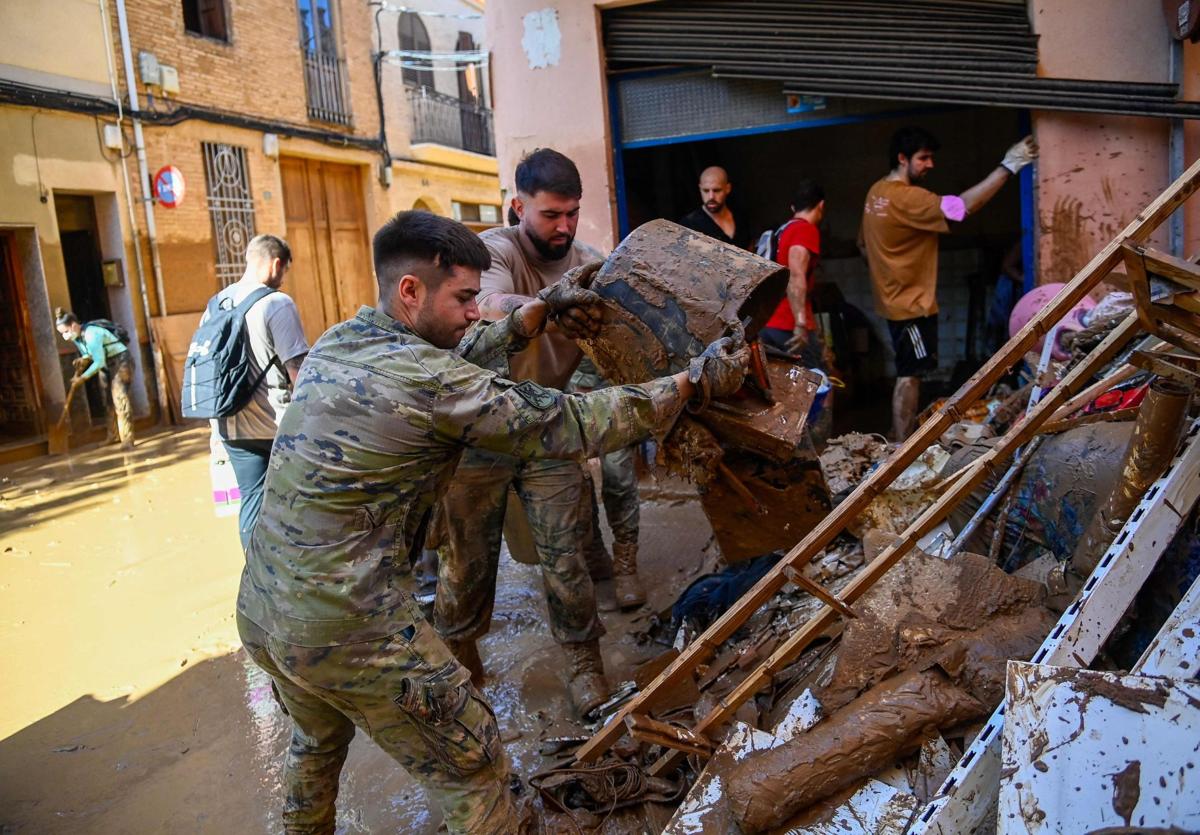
392,7
473,56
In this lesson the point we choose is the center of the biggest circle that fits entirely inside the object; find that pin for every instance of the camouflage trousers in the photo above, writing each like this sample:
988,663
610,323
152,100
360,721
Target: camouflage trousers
470,554
115,379
409,694
619,492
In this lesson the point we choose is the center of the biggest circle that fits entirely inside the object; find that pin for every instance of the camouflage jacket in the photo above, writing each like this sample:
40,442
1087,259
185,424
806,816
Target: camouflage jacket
378,420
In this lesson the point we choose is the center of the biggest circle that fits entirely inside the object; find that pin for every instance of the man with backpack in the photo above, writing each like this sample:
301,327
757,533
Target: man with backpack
248,384
105,356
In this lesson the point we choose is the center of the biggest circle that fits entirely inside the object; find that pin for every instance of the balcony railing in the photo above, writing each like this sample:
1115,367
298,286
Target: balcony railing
448,121
325,80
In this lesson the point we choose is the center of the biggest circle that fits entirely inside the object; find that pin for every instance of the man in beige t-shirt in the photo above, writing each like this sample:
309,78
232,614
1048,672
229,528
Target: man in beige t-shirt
899,238
525,259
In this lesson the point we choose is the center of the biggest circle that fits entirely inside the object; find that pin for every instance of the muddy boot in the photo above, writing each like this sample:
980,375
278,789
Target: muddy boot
629,588
588,687
467,654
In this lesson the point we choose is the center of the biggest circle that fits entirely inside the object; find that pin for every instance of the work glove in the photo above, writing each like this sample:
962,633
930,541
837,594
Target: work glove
1020,155
719,371
578,311
81,364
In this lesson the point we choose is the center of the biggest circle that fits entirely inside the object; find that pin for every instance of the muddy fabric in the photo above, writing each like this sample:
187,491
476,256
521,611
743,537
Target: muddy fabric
517,267
115,379
378,420
470,554
408,693
767,788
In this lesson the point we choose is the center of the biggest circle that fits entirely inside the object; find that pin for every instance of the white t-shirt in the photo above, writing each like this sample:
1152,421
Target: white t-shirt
274,329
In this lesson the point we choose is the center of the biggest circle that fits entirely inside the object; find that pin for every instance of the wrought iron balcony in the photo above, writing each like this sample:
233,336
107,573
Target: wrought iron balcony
325,80
448,121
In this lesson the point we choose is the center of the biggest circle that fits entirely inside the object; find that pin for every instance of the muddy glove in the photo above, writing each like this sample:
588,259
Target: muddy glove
577,310
81,364
1020,155
719,371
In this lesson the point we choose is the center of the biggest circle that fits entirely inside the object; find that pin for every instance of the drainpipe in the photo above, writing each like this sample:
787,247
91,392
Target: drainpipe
160,373
1175,161
139,145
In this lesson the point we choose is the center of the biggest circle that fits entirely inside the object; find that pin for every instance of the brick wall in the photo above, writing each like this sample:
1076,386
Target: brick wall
259,71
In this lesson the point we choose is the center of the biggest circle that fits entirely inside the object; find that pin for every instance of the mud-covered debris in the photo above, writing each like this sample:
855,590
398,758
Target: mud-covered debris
847,460
907,497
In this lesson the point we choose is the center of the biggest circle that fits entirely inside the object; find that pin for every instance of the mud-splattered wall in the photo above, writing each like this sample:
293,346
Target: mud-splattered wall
1096,172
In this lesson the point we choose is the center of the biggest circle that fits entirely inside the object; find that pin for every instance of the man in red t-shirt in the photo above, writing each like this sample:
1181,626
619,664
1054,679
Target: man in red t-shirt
793,328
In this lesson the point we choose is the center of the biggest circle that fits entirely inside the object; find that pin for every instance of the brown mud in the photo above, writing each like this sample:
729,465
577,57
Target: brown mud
928,651
128,705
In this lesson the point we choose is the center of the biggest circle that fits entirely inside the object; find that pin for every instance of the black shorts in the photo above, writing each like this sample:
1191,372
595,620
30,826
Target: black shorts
915,342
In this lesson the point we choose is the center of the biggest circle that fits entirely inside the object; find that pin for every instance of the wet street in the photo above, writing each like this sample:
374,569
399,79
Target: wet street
128,706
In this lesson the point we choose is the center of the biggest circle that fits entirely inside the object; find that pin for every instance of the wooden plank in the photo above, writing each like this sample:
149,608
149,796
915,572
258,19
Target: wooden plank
988,463
1168,266
701,650
818,591
645,729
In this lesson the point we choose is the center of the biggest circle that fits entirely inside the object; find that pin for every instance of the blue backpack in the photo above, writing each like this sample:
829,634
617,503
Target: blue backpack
217,376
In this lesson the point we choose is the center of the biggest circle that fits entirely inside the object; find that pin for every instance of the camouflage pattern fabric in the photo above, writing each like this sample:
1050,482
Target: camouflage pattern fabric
115,379
408,693
470,553
618,480
377,422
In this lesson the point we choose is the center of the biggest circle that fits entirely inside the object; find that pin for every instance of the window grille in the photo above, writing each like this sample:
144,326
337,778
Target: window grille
231,207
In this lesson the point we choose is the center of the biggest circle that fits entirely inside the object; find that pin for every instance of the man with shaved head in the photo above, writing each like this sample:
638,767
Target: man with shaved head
714,217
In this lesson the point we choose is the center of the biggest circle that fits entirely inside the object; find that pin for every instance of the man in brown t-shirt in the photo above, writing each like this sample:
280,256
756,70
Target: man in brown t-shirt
899,238
526,258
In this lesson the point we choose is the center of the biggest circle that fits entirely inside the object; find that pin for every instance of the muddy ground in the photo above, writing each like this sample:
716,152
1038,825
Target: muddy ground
128,705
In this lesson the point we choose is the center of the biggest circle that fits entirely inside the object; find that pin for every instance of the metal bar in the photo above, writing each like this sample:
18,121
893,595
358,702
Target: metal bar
998,493
702,648
965,797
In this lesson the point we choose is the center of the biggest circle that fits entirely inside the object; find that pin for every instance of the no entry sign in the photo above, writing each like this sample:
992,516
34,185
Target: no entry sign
169,186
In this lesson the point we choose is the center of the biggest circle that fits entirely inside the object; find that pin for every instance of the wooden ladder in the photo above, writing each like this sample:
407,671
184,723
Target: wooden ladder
682,741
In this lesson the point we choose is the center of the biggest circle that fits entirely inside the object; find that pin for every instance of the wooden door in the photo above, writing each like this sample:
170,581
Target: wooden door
330,276
20,396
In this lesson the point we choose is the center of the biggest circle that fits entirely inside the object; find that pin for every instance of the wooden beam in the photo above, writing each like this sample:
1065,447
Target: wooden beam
818,591
644,729
701,650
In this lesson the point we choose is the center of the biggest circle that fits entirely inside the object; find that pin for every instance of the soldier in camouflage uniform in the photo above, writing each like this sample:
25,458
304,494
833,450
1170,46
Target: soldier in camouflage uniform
381,412
619,490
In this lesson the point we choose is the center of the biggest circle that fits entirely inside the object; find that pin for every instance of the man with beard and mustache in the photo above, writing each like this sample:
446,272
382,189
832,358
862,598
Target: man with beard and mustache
383,407
714,217
526,258
899,238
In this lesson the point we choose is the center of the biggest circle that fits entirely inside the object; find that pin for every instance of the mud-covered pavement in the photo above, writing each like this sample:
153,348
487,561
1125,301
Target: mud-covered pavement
128,706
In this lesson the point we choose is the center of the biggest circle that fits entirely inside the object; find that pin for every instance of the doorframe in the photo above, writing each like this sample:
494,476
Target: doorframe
8,251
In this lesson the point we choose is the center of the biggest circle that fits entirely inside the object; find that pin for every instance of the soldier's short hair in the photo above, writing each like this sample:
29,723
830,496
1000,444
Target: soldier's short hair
268,247
425,245
547,170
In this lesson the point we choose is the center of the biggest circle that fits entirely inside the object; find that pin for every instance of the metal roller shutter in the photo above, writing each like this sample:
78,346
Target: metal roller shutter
946,51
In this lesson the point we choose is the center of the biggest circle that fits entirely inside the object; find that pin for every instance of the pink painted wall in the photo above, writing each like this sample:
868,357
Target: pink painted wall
1096,172
549,90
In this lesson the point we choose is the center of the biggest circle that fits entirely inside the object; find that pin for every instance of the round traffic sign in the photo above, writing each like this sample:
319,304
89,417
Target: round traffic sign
169,186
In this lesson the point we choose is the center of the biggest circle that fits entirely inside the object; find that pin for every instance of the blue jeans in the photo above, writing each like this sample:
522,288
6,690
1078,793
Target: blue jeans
249,460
